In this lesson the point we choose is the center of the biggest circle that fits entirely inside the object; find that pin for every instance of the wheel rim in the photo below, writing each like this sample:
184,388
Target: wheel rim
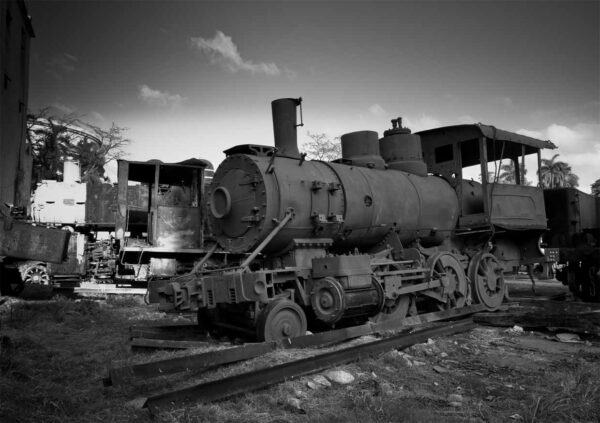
281,319
456,291
327,300
37,275
487,279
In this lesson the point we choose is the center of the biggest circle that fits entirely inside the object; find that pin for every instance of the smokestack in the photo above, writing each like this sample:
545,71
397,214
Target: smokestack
284,126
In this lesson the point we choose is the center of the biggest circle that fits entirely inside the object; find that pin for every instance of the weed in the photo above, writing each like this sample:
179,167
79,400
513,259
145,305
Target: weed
575,396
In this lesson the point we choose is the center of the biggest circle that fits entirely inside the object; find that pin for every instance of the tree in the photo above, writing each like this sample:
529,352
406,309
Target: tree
50,143
94,156
508,175
596,188
557,174
322,147
54,140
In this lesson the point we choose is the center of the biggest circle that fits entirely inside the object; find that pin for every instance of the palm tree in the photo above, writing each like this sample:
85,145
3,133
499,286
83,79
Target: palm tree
508,175
557,174
596,188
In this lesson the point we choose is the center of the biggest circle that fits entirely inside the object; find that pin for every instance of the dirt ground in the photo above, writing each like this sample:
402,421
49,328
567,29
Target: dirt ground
54,354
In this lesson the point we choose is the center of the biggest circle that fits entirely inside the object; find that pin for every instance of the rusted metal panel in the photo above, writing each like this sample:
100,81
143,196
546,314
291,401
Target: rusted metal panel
178,227
570,212
516,206
75,263
101,204
24,241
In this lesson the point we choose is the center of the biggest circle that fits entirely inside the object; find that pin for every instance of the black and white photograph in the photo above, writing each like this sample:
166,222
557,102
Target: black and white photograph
286,211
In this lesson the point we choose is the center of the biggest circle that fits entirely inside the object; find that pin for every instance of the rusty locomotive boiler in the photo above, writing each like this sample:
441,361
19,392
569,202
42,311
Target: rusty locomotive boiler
391,229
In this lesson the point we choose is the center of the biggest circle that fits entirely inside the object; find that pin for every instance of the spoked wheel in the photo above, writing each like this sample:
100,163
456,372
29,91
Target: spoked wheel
488,280
279,320
455,287
36,274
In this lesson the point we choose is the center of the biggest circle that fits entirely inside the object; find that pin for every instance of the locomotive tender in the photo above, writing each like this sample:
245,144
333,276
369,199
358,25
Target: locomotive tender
391,229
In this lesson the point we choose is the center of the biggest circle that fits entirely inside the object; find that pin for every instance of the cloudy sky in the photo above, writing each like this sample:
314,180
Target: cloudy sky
192,78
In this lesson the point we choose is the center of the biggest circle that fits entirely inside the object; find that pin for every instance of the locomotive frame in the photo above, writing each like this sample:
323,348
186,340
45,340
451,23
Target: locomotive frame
390,230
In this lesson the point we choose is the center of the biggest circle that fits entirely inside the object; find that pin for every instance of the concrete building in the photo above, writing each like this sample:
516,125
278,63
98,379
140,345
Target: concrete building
15,155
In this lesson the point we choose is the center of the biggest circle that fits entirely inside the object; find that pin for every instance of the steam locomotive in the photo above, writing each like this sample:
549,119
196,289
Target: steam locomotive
392,229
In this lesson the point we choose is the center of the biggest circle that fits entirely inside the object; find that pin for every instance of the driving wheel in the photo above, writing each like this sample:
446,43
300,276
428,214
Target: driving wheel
455,286
279,320
487,278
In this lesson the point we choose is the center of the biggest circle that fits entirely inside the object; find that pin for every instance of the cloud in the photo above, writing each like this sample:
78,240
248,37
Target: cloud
221,50
421,123
61,64
377,110
578,145
532,134
158,98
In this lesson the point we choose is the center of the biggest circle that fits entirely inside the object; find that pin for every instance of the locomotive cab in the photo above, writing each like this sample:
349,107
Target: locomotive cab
158,221
502,201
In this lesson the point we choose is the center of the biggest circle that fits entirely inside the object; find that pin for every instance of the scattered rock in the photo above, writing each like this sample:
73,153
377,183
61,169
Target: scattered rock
406,358
568,337
299,393
440,369
515,330
311,384
294,404
455,400
443,354
340,376
321,380
418,363
136,403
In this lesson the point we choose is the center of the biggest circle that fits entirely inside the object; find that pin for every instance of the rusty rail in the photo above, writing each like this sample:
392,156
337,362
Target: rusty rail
204,361
262,378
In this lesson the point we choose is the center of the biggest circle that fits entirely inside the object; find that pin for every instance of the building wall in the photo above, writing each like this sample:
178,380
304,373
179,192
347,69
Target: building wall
15,157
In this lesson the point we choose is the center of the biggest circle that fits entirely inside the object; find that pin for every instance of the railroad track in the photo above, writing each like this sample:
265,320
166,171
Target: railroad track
257,379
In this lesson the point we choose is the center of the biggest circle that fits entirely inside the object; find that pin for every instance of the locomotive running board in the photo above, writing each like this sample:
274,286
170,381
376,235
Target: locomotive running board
262,378
204,361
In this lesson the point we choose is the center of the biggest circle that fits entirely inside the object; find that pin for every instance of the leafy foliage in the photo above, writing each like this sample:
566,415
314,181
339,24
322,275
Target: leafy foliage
557,174
508,176
596,188
322,147
54,140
